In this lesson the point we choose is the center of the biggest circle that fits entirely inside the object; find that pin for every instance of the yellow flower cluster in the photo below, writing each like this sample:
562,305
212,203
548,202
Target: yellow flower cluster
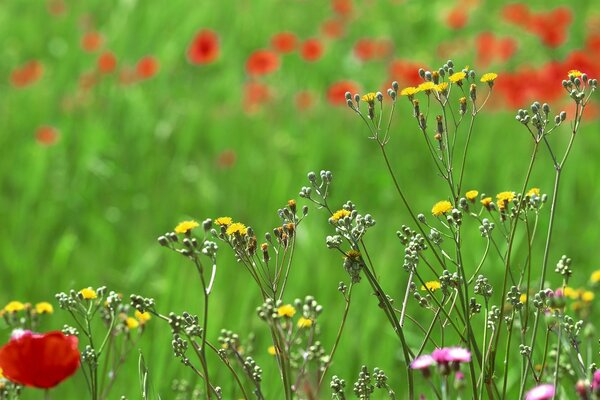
88,293
431,285
441,207
15,306
286,310
369,97
503,198
237,228
223,221
186,226
471,195
339,214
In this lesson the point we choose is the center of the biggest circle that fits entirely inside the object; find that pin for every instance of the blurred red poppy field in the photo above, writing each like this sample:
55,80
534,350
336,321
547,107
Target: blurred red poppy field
122,118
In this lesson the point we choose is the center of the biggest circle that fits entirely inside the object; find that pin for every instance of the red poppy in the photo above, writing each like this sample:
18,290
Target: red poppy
507,47
91,41
457,18
107,62
517,13
39,360
342,7
46,135
365,49
304,100
405,72
255,94
28,74
204,49
262,62
284,42
311,50
485,44
226,159
337,92
332,29
56,7
146,67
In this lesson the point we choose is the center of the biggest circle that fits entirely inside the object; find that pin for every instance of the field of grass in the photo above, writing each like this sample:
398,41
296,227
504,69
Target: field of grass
132,159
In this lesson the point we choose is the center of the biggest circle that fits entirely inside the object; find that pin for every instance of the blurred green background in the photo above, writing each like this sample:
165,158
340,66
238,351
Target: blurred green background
132,160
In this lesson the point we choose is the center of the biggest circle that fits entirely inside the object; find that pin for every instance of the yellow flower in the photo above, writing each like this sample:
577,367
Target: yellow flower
523,298
272,350
471,195
236,227
426,86
442,87
186,226
143,317
132,323
431,285
587,296
304,322
574,73
369,97
286,310
44,308
339,214
489,78
88,293
14,306
571,293
441,207
457,77
409,91
595,277
504,198
223,221
486,201
533,191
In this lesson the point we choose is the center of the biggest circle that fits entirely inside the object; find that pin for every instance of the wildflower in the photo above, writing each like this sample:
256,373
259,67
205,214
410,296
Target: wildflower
457,18
238,228
541,392
441,207
204,48
131,323
39,360
570,293
311,50
471,195
262,62
14,306
409,91
457,77
587,296
486,202
574,73
339,214
337,92
88,293
44,308
46,135
272,350
284,42
595,277
523,298
91,41
504,198
186,226
489,78
146,67
27,74
533,192
432,286
106,63
422,362
425,86
441,87
369,98
224,221
142,317
304,322
286,310
446,355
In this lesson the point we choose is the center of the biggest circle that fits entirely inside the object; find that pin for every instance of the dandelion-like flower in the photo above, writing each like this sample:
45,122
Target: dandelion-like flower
426,86
304,323
471,195
441,207
431,285
504,198
441,87
595,277
489,78
272,350
541,392
457,77
237,227
44,308
574,73
88,293
131,323
533,191
186,226
369,98
339,214
142,317
286,310
223,221
409,91
14,306
486,202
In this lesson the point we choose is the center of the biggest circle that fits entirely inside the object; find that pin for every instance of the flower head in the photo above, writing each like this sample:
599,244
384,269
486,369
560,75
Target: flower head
286,310
14,306
533,192
339,214
131,323
204,48
441,207
486,202
272,350
39,360
369,98
262,62
541,392
441,87
409,91
238,228
574,73
459,354
88,293
471,195
142,317
304,322
426,86
422,362
457,77
595,277
504,198
186,226
489,78
223,221
431,286
44,308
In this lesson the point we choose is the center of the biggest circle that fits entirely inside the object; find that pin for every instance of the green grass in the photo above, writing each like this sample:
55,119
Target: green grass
134,160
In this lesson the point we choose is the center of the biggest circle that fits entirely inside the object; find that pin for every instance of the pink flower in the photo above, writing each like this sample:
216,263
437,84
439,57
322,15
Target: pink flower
422,362
541,392
440,355
458,354
596,380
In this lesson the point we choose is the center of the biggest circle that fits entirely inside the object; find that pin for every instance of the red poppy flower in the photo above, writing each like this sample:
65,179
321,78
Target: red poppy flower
262,62
311,50
255,94
517,13
365,49
39,360
146,67
507,47
28,74
46,135
226,159
457,18
342,7
332,29
56,7
204,49
91,41
337,92
107,62
284,42
405,72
